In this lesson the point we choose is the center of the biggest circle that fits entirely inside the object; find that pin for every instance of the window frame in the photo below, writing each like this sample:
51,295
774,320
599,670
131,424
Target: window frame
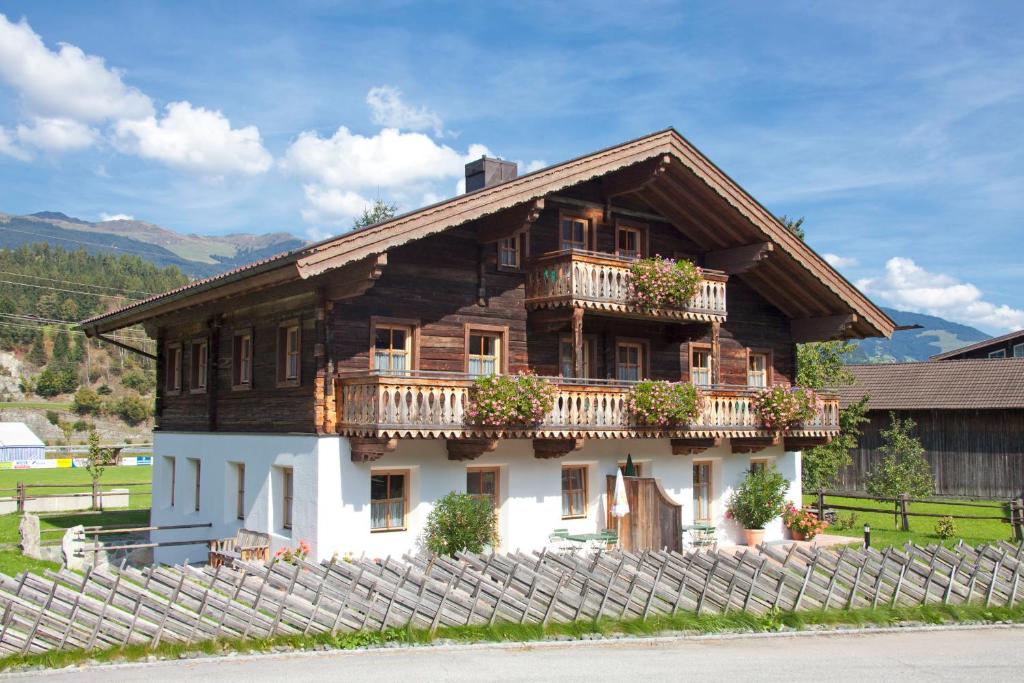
642,231
588,230
173,460
497,483
197,370
590,355
521,239
501,331
410,325
709,486
998,353
766,463
586,491
768,366
1015,354
239,490
283,354
644,361
175,350
638,466
387,487
287,496
236,360
705,347
197,492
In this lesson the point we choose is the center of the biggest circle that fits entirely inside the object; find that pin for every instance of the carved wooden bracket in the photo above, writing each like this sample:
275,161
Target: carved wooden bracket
632,179
355,279
508,222
822,329
368,449
799,443
469,449
738,259
753,444
694,446
555,448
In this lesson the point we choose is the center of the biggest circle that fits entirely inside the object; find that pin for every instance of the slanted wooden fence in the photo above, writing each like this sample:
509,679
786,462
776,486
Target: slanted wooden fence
109,606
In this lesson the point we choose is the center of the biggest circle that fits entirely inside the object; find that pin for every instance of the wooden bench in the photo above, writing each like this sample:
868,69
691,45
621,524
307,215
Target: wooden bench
245,545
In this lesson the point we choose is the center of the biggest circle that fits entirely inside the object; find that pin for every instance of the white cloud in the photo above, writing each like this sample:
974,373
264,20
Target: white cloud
388,110
57,134
104,217
531,166
8,146
67,83
907,286
837,261
333,206
195,139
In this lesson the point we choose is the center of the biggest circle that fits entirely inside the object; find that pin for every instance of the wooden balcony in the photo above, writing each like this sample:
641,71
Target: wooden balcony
600,282
424,406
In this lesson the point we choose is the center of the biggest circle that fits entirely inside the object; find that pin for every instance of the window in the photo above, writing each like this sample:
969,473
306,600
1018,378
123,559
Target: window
629,241
1001,353
484,351
758,464
388,500
700,365
392,348
172,382
288,348
1018,350
287,495
197,472
702,492
172,470
629,359
240,490
565,366
575,232
483,483
241,357
574,491
198,365
637,466
757,369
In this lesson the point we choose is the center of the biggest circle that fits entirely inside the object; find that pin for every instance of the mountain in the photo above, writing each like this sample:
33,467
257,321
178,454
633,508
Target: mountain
196,255
936,336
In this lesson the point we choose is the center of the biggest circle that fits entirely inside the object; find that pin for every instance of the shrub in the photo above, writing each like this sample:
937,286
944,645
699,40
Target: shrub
663,283
505,400
132,409
846,522
87,402
803,521
53,417
104,390
461,522
782,408
52,382
945,527
82,426
663,404
903,468
759,498
138,380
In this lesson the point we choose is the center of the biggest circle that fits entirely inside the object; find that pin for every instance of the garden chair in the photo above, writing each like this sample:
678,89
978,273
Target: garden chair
245,545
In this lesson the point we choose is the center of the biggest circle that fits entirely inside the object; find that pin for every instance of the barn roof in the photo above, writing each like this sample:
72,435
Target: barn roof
966,384
17,434
1017,335
720,214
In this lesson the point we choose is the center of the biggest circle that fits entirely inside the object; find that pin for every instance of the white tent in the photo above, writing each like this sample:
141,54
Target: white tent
18,442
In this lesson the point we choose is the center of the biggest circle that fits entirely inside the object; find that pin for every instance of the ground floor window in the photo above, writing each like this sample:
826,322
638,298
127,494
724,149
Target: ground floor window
574,491
197,473
702,492
483,483
758,464
287,496
388,499
240,490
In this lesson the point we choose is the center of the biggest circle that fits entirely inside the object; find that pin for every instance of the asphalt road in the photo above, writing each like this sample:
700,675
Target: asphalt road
991,654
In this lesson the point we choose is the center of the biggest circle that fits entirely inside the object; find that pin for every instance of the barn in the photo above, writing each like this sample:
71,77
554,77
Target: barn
18,442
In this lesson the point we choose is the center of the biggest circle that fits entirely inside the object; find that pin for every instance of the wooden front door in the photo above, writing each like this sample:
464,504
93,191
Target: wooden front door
655,521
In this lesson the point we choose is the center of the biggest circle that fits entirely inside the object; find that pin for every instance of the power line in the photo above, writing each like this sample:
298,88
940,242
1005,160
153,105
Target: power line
111,336
69,291
72,282
93,244
54,321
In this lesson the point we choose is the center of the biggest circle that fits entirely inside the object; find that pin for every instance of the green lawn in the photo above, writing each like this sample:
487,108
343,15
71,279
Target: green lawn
885,527
35,405
78,481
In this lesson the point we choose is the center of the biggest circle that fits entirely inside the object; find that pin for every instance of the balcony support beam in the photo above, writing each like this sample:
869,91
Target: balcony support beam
578,368
632,179
738,259
370,449
799,443
819,329
753,444
694,446
469,449
546,449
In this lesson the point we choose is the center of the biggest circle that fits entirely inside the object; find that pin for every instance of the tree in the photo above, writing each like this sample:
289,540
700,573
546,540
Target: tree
56,380
460,522
904,468
87,402
794,225
132,409
37,354
821,465
381,211
820,365
96,463
62,347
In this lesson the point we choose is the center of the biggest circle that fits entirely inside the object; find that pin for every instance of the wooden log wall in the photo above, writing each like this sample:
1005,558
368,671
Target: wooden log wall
972,452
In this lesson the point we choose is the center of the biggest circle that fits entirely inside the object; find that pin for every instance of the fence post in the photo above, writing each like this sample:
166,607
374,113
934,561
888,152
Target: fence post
821,503
904,520
1018,519
21,496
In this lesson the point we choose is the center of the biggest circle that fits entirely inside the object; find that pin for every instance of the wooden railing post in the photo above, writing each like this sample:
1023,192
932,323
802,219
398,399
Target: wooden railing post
21,496
821,503
904,519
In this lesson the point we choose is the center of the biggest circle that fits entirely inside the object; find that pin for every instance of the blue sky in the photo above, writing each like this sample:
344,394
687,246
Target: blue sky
896,129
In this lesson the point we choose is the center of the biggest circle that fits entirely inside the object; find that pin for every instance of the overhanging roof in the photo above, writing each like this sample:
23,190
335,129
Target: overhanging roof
973,383
793,277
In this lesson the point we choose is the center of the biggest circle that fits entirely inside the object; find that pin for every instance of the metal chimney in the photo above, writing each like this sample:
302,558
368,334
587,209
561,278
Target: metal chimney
487,171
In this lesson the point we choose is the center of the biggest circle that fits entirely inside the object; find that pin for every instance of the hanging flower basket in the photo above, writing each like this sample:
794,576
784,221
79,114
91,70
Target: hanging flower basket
663,283
782,408
510,400
664,404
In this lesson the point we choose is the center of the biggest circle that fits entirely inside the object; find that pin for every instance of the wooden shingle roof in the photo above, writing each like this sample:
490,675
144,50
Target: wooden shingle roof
944,385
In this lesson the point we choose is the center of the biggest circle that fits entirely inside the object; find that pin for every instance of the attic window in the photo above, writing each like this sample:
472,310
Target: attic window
172,378
1001,353
198,354
241,360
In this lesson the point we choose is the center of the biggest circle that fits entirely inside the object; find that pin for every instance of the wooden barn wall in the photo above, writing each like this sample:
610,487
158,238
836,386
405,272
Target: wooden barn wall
972,452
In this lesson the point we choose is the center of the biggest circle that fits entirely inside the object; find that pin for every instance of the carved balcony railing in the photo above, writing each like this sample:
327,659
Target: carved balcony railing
601,282
435,405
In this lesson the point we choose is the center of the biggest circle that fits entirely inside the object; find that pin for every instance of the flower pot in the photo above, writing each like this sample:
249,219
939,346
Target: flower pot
797,535
754,536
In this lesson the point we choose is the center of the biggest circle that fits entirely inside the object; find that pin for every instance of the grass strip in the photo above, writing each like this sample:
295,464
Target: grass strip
683,623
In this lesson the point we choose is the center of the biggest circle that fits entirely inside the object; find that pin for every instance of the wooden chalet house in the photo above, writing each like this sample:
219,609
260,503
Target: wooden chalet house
321,394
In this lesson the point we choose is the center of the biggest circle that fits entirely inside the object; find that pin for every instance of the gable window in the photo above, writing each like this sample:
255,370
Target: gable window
172,381
574,232
388,497
629,361
241,360
565,366
240,490
392,348
1018,350
485,351
1001,353
287,496
757,369
629,241
288,349
482,482
574,491
700,365
702,492
198,366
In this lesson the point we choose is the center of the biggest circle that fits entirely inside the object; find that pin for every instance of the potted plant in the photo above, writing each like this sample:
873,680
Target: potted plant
782,408
803,525
758,500
508,400
658,282
663,404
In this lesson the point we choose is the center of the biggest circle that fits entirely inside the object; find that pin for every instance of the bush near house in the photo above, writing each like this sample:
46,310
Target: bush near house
759,498
461,522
